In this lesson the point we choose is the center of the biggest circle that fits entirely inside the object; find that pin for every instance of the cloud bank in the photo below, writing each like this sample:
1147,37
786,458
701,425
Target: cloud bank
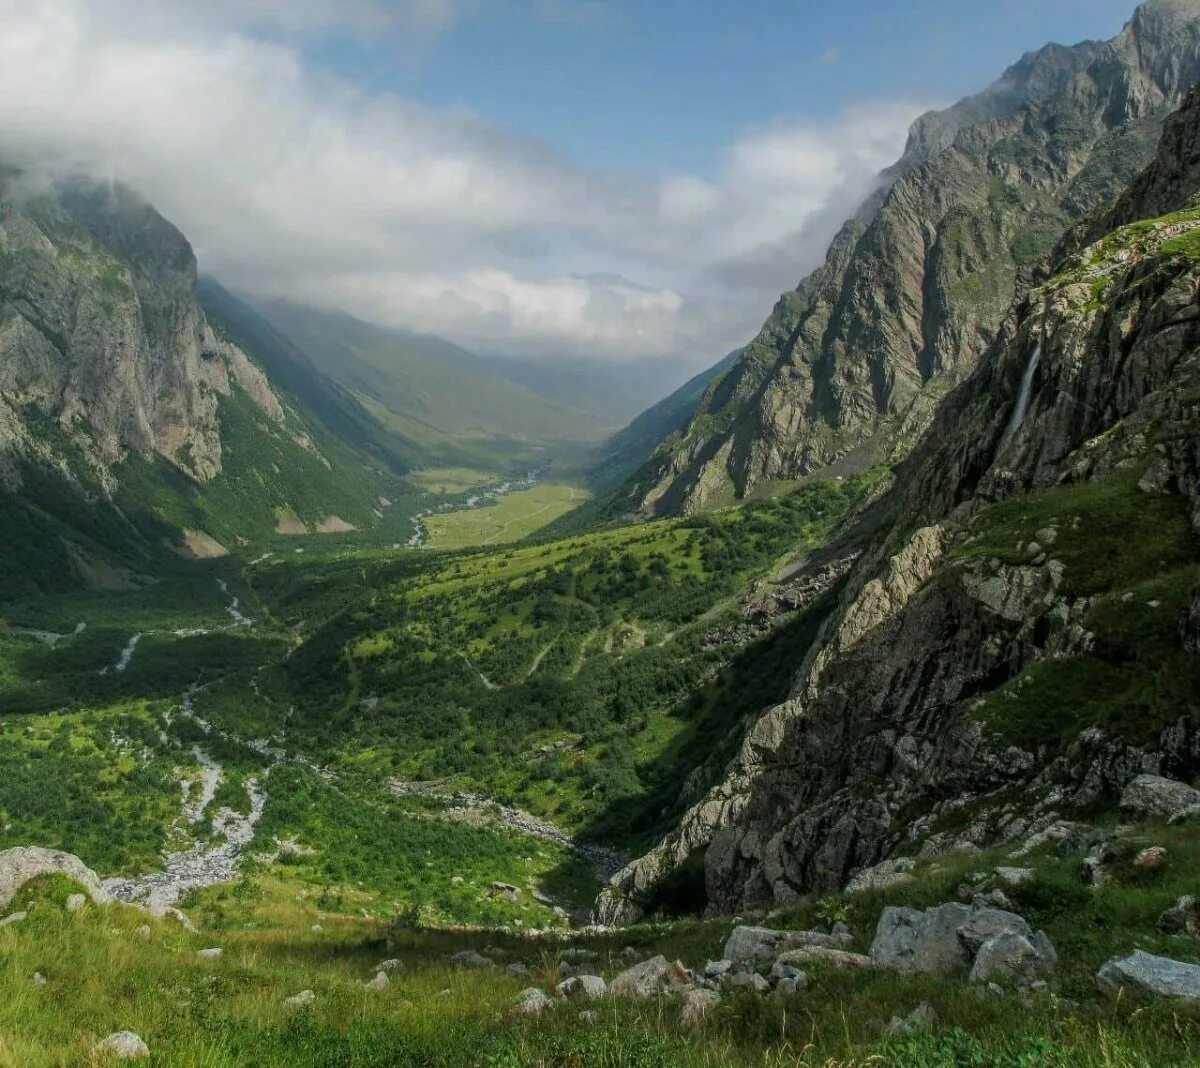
293,183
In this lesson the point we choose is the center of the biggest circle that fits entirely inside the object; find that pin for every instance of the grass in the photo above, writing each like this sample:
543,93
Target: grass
511,518
444,481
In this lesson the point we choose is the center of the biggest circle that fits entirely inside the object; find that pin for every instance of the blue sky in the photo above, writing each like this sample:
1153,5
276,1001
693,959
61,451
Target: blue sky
666,83
560,178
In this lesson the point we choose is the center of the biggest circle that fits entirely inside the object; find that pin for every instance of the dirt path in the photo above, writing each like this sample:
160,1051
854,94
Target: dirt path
482,677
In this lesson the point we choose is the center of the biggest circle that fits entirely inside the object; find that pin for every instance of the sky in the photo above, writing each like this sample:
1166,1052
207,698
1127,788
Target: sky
609,179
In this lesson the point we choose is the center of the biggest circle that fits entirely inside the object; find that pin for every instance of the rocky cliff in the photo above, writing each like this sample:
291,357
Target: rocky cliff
851,364
1021,642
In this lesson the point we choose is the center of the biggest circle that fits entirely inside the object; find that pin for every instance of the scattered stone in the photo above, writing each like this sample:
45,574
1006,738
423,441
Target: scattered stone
516,969
144,932
1019,959
38,979
650,978
697,1004
922,1017
582,986
390,966
15,917
1144,973
76,902
714,969
750,982
210,954
468,958
305,997
18,866
888,873
533,1002
1153,858
380,983
506,890
1151,796
1015,877
1182,918
753,945
834,958
791,985
124,1046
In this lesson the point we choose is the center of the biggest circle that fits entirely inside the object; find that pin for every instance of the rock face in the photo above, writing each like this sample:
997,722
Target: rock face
851,364
1144,973
896,739
22,864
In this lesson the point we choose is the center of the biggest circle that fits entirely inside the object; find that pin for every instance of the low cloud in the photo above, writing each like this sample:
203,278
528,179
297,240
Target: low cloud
290,182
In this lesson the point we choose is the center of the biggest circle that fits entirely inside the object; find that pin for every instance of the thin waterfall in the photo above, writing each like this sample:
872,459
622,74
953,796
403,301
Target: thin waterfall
1022,405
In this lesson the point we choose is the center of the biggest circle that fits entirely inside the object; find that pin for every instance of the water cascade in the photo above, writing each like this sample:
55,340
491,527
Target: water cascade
1022,405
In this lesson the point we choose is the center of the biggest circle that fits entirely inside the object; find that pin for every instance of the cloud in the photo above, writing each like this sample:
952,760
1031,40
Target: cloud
293,183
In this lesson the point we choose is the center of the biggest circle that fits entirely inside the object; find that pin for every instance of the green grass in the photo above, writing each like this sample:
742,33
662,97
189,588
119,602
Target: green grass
510,518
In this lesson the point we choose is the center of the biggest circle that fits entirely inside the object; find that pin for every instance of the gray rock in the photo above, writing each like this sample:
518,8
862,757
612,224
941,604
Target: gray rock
533,1002
896,872
76,902
1181,918
921,1018
19,866
380,983
833,958
1144,973
39,979
516,969
15,917
1016,958
986,923
124,1046
390,966
305,997
582,986
1015,877
210,954
697,1004
792,985
749,982
908,940
784,970
468,958
1153,797
650,978
714,969
753,945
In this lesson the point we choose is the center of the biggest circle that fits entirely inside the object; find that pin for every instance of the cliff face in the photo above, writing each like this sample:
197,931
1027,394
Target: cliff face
850,366
1022,641
101,335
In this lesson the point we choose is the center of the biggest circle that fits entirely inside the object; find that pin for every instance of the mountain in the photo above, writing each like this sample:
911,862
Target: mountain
131,422
1021,639
449,405
850,365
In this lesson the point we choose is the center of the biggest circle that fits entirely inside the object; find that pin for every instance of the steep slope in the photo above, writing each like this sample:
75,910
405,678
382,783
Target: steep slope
1023,641
128,423
449,404
850,365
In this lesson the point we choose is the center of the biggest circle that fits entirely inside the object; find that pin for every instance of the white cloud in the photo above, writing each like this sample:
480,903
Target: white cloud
292,183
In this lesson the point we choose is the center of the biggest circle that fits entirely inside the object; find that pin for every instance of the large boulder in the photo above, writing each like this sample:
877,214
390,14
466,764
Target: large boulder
946,939
651,978
1144,973
754,945
1153,797
25,863
582,986
1015,958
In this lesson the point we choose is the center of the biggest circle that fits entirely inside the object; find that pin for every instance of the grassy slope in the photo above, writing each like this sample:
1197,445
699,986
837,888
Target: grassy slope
511,518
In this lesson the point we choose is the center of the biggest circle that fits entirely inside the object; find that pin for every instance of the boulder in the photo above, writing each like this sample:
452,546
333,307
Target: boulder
168,912
897,872
1144,973
714,969
75,902
390,966
380,983
791,986
305,997
210,954
908,940
697,1004
1153,797
582,986
1016,958
1181,918
833,958
749,982
650,978
15,917
986,923
753,945
18,866
123,1046
533,1002
468,958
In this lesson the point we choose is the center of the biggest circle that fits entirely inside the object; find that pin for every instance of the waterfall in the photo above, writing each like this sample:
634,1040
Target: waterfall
1022,405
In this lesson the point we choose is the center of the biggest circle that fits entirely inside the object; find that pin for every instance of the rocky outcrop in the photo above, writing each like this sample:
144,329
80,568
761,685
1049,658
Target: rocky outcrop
23,864
888,744
851,365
